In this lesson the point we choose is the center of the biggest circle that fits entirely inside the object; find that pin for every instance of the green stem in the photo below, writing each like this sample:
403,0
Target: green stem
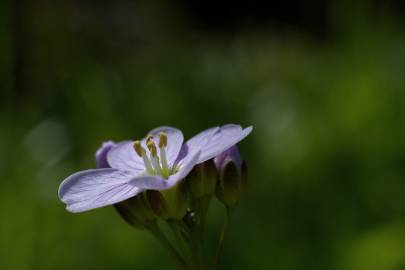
178,234
154,229
222,236
192,238
203,206
195,244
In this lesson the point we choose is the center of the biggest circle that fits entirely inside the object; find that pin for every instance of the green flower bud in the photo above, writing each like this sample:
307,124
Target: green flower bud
170,203
136,211
202,180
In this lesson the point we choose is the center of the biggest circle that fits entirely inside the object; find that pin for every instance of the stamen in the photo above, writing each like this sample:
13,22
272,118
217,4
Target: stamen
153,155
139,149
149,138
162,146
152,148
154,164
162,140
142,153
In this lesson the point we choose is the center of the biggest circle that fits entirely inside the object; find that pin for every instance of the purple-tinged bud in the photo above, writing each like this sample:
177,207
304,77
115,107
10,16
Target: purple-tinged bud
171,203
232,176
202,180
232,153
136,211
101,155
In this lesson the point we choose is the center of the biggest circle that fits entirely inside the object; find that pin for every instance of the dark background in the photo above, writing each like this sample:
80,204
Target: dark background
322,82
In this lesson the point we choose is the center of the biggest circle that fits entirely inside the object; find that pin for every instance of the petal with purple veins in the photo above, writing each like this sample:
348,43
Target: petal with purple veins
123,157
101,154
218,140
201,139
92,189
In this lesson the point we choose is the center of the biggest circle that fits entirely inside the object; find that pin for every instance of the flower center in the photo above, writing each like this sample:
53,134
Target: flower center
155,164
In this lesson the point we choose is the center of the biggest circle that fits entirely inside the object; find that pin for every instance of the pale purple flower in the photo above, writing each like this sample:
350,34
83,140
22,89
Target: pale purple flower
157,162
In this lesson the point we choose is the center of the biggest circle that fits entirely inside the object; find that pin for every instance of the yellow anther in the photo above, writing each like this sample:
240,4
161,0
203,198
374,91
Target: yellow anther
162,140
152,148
149,138
139,149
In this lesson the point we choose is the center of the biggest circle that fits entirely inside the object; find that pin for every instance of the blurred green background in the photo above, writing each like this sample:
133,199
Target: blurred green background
322,82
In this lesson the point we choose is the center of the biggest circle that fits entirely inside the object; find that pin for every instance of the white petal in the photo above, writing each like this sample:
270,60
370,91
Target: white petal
123,157
92,189
214,141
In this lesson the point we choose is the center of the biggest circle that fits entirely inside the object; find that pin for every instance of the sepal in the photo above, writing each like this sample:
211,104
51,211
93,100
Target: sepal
136,211
170,203
202,180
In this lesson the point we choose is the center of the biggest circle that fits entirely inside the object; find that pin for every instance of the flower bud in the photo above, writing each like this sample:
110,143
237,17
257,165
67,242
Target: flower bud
202,180
232,176
136,211
170,203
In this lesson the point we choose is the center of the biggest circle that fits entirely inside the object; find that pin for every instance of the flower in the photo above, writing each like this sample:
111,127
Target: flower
157,162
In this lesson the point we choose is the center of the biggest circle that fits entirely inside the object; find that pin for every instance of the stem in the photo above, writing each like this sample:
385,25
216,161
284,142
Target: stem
203,206
176,228
195,245
222,236
154,229
192,237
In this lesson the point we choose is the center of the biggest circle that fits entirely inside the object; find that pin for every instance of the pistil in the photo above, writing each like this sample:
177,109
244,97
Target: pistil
142,153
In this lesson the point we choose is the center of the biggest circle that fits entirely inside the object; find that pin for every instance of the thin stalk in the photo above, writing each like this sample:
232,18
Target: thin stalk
184,247
155,231
222,236
203,205
191,235
195,245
